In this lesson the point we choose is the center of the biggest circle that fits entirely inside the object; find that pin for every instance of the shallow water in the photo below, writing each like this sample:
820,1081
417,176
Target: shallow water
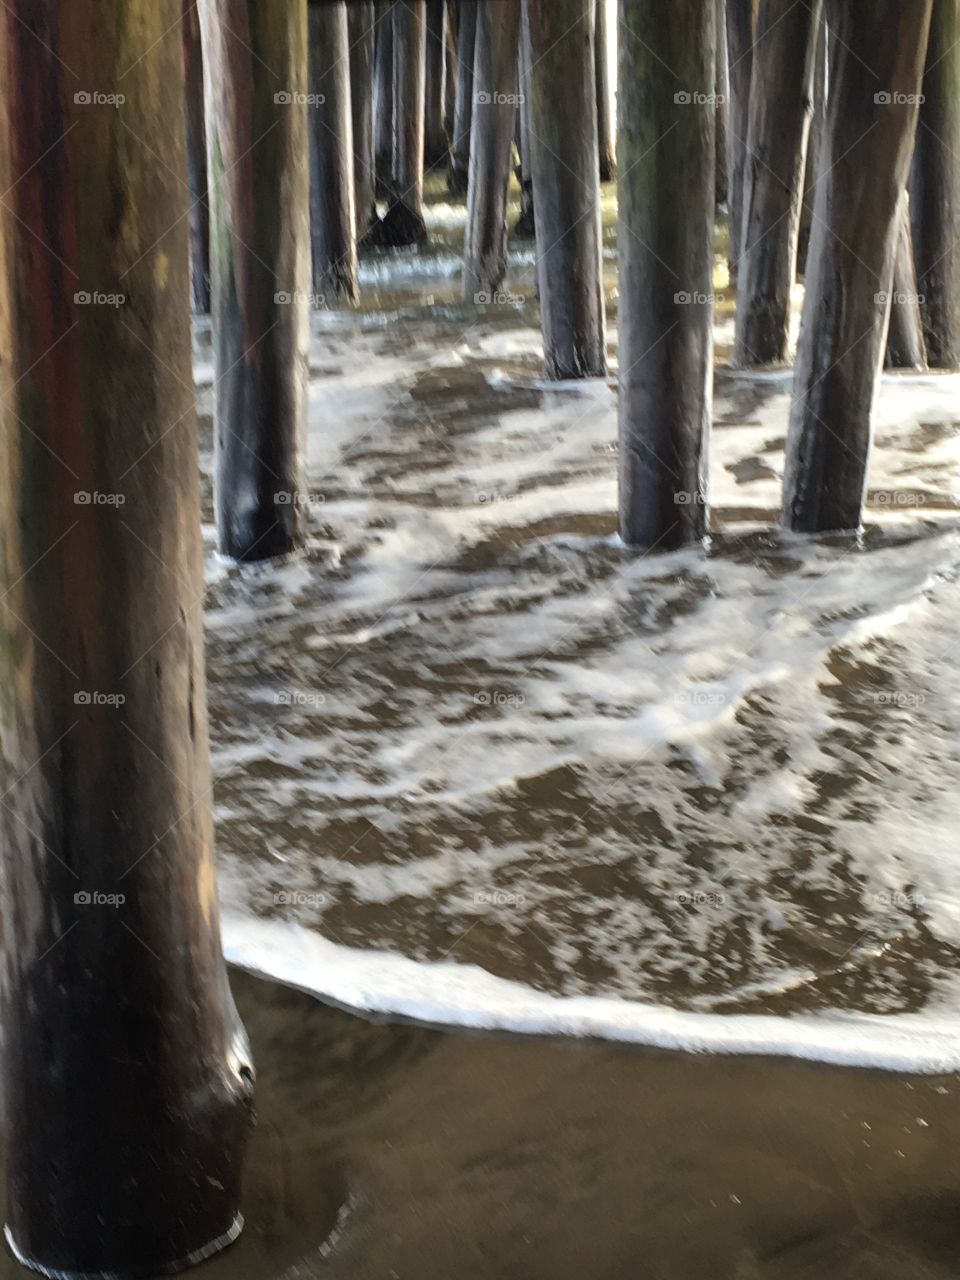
467,725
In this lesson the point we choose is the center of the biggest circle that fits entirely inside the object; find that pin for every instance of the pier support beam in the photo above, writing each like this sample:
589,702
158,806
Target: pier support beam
403,222
383,104
436,147
868,145
491,145
256,63
333,212
363,20
667,197
606,141
126,1075
781,107
935,189
741,22
906,348
566,185
459,173
196,160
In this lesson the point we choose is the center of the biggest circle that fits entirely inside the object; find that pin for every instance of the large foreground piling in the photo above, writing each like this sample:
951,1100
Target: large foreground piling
256,63
126,1077
196,160
781,106
566,184
459,174
491,145
333,214
935,189
363,21
403,223
666,188
877,54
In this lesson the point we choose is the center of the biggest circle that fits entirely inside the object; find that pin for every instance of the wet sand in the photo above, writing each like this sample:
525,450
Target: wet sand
399,1152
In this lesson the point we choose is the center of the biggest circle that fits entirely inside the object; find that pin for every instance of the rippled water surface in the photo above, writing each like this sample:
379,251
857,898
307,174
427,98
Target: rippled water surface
467,724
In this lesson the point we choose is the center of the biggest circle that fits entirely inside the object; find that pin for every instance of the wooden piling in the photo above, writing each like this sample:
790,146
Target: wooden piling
436,146
383,103
126,1076
566,184
362,17
876,67
906,348
458,176
606,141
667,198
403,223
196,160
491,147
333,212
526,226
741,23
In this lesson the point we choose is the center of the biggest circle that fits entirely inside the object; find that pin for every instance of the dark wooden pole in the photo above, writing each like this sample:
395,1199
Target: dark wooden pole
196,160
333,212
526,223
666,189
383,98
436,146
814,147
459,173
362,16
606,142
906,348
722,141
491,146
741,25
781,89
935,189
127,1081
869,140
403,223
566,184
256,63
451,68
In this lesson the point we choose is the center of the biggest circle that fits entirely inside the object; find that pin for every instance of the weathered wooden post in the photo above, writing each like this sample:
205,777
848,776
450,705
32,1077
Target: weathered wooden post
905,343
256,63
935,189
566,185
383,98
333,212
721,139
666,188
781,105
876,67
450,67
741,26
459,172
403,222
526,223
196,160
606,142
363,20
127,1083
436,147
814,147
491,144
